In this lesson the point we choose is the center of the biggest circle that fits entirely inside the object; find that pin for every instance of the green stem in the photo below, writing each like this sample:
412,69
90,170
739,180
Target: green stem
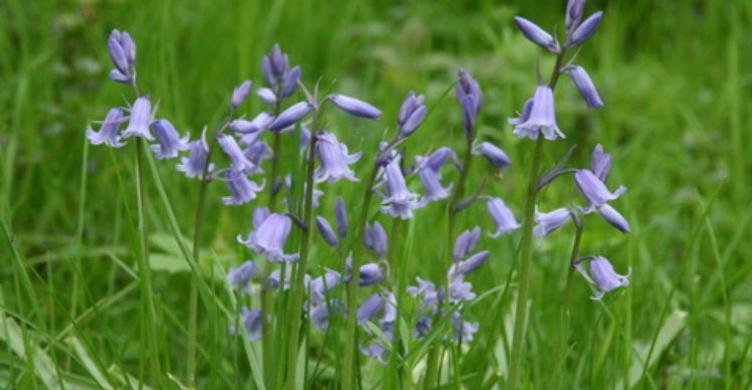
147,295
267,334
526,247
431,376
348,377
198,222
566,303
299,287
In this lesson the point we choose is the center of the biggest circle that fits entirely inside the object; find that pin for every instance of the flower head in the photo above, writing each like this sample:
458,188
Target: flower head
290,116
326,231
585,85
493,154
170,143
470,98
603,276
240,276
269,238
240,93
108,133
398,201
585,30
231,148
575,10
412,113
593,189
282,79
243,190
502,217
340,215
122,52
140,119
600,163
334,159
376,239
465,243
252,322
320,285
355,106
548,222
539,116
536,34
198,154
472,263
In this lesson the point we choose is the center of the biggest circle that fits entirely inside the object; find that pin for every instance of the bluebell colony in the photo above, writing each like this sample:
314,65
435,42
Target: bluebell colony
251,174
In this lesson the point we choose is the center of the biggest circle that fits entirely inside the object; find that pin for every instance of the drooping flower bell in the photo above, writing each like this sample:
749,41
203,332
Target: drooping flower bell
195,164
321,284
231,148
334,159
464,267
585,30
593,189
470,98
269,238
355,106
252,322
340,216
585,85
428,169
109,131
539,116
140,120
591,184
412,113
600,163
240,276
493,154
463,331
169,141
376,239
326,231
548,222
242,189
399,201
122,52
602,275
536,34
502,217
465,243
289,117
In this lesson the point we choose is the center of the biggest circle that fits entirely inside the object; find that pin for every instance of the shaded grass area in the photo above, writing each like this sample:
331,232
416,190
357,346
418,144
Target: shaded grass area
676,81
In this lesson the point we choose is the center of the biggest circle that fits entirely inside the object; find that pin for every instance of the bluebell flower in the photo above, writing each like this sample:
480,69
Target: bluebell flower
252,323
525,115
195,164
267,96
320,313
575,11
355,106
593,189
372,306
334,159
423,326
240,93
305,138
170,143
412,113
326,231
541,117
240,276
289,117
585,30
256,153
470,97
603,276
465,243
536,34
269,238
437,158
231,148
614,218
278,73
430,176
399,201
242,189
463,330
340,215
276,280
122,52
464,267
376,239
502,217
256,125
600,163
548,222
140,119
460,290
108,133
493,154
321,284
375,350
427,290
585,85
370,274
259,216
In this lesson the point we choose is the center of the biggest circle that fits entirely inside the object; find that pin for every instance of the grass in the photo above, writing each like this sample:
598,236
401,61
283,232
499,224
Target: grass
675,77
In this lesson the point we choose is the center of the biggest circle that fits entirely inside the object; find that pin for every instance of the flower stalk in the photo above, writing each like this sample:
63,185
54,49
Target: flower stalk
526,246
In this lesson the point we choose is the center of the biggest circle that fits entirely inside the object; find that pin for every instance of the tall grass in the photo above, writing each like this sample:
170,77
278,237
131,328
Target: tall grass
675,77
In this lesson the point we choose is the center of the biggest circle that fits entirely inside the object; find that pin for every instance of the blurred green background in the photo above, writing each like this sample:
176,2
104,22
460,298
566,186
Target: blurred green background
675,76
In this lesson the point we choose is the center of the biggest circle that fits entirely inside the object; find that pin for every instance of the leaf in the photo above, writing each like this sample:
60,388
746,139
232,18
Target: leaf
640,364
44,368
88,363
168,263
